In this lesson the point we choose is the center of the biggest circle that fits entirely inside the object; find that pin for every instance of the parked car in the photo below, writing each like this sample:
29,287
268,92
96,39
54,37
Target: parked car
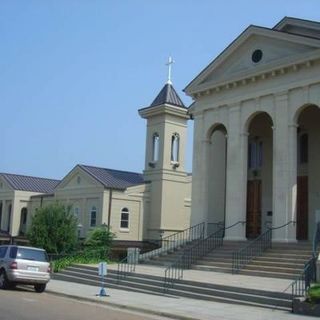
24,265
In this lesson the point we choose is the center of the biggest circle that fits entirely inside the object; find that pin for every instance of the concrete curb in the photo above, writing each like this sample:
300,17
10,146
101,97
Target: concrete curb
123,306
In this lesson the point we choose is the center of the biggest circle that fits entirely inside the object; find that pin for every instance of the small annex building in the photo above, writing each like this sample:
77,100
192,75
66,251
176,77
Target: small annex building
137,206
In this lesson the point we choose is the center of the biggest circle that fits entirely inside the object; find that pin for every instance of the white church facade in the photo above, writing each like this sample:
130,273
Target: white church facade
256,118
256,151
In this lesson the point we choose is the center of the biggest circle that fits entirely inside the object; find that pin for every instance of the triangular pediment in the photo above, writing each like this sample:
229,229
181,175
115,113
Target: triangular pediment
78,178
236,61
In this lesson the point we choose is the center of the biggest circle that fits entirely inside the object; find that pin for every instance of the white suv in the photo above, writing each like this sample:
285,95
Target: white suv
24,265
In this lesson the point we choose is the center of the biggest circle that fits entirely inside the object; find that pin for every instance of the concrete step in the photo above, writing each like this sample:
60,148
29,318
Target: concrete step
191,289
277,264
278,275
272,269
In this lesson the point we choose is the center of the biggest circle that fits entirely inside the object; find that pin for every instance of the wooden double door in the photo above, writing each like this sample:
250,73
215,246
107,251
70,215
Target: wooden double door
302,208
253,226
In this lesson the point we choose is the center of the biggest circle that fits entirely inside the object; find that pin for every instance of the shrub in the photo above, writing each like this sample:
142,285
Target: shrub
313,294
54,228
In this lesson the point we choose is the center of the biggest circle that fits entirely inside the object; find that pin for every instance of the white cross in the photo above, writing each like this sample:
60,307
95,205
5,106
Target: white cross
169,64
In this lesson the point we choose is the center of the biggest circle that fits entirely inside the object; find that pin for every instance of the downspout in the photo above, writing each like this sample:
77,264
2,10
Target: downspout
109,209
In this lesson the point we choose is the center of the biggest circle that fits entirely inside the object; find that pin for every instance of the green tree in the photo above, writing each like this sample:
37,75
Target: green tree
54,228
99,240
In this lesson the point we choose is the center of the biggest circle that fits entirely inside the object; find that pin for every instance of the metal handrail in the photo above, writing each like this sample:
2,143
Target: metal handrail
300,286
190,255
213,227
126,266
176,240
316,240
255,248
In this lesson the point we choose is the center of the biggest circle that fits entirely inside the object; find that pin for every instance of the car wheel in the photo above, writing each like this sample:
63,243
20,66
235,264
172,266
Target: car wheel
40,287
4,282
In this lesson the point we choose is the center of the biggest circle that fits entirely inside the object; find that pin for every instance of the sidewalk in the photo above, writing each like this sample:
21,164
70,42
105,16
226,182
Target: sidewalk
171,307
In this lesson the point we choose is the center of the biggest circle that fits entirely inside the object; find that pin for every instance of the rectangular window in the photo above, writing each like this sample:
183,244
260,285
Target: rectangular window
93,219
124,222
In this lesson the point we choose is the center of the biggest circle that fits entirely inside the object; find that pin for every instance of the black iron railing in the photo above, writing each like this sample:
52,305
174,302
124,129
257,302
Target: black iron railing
126,266
300,286
316,240
213,227
255,248
190,255
173,273
176,240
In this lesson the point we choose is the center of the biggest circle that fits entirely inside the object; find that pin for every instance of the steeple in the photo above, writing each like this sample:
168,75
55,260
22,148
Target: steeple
164,169
167,95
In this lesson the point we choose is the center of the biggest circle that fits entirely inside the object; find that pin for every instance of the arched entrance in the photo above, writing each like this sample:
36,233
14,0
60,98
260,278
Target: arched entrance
217,158
308,173
259,174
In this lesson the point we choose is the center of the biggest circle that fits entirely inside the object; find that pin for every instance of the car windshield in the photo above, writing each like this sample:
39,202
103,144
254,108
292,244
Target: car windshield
28,254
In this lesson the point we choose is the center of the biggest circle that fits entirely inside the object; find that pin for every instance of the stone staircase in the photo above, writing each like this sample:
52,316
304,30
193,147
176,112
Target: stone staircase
153,284
220,259
284,261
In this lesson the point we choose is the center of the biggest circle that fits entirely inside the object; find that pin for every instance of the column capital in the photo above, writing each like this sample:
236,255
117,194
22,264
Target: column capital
293,125
234,106
282,95
205,141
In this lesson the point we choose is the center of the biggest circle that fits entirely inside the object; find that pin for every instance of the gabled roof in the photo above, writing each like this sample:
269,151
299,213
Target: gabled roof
299,26
115,179
167,95
27,183
197,84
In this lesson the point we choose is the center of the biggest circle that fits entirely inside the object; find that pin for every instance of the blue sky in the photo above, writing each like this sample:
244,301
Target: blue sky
73,73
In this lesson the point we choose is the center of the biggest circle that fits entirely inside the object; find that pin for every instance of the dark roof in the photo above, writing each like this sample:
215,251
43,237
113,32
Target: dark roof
32,184
114,178
169,96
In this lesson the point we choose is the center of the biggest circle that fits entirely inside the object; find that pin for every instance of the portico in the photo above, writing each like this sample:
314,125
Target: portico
256,113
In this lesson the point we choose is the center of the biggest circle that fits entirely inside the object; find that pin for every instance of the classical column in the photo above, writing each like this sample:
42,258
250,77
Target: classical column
236,176
284,172
199,209
2,214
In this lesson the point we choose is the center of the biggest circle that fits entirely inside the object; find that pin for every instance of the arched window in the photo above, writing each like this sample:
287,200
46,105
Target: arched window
76,212
93,217
23,221
9,217
255,155
124,221
24,214
155,147
175,141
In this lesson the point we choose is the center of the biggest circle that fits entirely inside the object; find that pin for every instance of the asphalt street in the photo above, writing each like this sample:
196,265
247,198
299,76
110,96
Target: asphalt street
24,304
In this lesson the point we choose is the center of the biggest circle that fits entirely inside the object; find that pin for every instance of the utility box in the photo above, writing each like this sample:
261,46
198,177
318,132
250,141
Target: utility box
133,255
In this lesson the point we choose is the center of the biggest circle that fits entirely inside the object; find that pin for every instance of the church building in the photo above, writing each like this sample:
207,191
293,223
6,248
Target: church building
256,152
257,133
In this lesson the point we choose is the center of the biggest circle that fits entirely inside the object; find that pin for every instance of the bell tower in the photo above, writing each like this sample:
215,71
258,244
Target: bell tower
167,119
